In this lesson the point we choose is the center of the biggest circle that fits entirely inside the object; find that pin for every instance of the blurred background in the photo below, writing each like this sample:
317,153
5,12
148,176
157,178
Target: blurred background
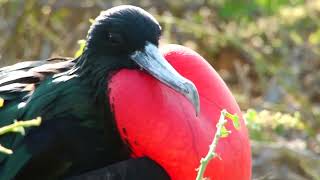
267,51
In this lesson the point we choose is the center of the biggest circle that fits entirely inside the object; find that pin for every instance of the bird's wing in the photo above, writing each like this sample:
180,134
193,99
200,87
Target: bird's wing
20,79
17,83
26,65
71,123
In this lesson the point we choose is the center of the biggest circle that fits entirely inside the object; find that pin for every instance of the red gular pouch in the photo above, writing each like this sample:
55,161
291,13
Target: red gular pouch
159,123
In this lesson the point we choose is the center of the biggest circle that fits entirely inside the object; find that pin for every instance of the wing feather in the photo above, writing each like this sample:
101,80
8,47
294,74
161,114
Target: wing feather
22,78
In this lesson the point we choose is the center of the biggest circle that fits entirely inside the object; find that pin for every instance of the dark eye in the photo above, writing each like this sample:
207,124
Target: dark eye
114,38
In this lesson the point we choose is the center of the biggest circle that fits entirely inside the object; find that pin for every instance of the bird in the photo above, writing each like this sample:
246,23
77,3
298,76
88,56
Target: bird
124,109
78,131
171,134
163,127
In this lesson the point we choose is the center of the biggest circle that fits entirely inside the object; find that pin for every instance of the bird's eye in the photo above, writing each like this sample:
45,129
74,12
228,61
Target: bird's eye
114,39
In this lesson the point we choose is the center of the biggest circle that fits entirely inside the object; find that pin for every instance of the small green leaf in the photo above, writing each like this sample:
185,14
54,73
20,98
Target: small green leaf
225,132
235,120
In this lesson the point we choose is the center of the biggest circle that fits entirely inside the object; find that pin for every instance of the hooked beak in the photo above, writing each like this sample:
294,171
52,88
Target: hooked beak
151,60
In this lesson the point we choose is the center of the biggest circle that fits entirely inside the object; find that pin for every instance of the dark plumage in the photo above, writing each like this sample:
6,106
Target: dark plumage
78,133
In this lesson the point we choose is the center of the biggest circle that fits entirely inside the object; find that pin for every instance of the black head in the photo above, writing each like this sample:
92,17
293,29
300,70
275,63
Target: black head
127,37
122,30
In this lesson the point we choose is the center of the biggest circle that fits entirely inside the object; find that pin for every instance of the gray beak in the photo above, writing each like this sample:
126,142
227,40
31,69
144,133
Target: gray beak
151,60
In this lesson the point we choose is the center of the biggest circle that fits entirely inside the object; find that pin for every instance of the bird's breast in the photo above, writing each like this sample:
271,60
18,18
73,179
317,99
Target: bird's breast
159,123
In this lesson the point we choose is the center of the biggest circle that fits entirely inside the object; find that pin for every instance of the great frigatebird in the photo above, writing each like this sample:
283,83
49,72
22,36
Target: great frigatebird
120,108
162,125
78,131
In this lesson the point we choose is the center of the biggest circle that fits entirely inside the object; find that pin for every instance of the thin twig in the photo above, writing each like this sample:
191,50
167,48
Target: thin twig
1,102
5,150
17,126
211,153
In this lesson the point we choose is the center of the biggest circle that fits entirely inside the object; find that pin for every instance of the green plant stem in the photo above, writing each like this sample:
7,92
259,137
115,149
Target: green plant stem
1,102
18,124
5,150
211,153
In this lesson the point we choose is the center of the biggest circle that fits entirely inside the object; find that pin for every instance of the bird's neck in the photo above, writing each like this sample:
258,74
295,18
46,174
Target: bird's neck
95,70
